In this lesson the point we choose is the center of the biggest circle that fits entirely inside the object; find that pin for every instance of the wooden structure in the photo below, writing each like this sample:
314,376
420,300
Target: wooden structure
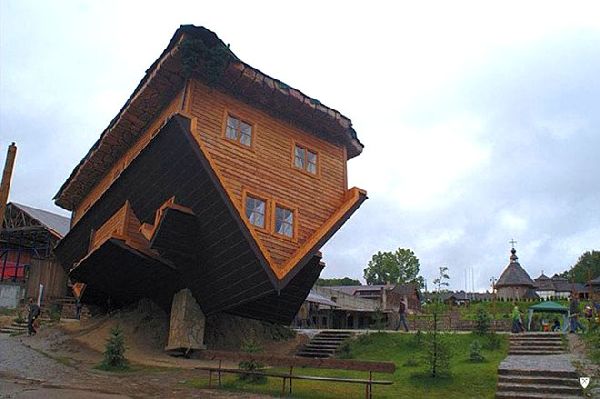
27,239
292,363
213,177
514,282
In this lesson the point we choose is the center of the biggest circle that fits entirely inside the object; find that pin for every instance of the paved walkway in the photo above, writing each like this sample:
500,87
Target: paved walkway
558,363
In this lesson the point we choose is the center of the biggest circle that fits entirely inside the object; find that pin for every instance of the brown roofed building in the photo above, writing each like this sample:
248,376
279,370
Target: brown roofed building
213,177
514,282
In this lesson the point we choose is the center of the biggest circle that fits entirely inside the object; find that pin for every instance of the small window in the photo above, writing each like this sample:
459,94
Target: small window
284,221
239,131
305,159
255,211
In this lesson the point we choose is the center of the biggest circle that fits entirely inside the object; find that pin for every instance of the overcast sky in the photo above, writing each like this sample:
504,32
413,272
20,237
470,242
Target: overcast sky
480,122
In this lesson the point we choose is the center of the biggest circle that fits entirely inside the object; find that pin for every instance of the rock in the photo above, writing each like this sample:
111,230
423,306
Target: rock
186,328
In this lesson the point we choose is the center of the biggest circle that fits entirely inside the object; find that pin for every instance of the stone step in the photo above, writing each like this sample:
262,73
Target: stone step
311,354
536,344
540,388
327,341
318,350
521,339
533,395
538,380
319,346
538,373
522,352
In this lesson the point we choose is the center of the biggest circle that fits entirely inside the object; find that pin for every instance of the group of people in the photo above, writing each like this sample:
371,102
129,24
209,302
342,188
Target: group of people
574,323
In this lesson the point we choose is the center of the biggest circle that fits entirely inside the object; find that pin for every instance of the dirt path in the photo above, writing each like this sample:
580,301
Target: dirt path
26,372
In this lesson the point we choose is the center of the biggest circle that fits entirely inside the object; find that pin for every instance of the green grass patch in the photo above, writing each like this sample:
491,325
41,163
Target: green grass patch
467,379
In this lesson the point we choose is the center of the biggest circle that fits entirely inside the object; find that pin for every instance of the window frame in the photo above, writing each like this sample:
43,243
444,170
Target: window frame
289,207
242,119
267,215
307,149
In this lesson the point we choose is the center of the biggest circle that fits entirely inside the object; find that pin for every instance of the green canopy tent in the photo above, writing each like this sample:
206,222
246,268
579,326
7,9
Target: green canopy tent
550,307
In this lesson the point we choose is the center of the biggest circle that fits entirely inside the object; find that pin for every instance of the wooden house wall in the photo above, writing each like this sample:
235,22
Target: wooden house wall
131,153
265,169
51,274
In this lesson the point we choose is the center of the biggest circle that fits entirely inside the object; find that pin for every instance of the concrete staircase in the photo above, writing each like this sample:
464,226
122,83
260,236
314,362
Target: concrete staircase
538,384
536,344
325,344
15,328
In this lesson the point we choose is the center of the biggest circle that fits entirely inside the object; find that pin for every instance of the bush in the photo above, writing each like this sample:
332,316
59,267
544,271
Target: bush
55,313
20,319
475,352
482,322
493,341
345,351
251,345
114,352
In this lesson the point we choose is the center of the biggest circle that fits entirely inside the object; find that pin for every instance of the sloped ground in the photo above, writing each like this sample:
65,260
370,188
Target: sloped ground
64,356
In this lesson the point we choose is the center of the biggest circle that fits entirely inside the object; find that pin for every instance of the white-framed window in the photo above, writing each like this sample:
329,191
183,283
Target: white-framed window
284,221
238,131
305,159
256,211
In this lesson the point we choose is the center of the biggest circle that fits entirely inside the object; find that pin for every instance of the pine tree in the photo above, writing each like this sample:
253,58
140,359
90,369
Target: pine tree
114,352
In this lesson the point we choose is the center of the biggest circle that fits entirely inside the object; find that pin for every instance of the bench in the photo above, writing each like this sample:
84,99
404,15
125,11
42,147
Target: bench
294,362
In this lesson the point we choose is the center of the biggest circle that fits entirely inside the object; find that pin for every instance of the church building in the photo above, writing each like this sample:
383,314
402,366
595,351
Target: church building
514,282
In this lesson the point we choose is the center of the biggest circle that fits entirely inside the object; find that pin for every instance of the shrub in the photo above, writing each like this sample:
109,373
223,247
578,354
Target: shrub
345,351
482,322
114,352
251,345
55,313
493,341
20,319
475,352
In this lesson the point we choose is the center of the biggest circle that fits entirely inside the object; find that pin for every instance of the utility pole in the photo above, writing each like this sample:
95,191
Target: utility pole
6,176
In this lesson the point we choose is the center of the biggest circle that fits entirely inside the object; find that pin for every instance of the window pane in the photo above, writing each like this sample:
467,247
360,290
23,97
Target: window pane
232,128
245,134
255,211
299,157
284,221
246,139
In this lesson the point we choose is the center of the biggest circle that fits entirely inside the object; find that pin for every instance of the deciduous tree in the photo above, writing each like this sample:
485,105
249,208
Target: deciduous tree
398,267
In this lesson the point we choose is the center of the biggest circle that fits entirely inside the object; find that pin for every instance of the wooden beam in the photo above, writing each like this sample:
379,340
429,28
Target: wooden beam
6,176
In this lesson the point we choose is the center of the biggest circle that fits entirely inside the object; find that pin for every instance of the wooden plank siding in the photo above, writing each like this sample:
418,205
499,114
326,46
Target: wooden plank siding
144,138
51,274
266,169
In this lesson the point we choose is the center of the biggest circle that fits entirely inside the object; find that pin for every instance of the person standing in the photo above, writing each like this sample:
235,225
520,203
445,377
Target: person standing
402,316
33,312
517,325
574,315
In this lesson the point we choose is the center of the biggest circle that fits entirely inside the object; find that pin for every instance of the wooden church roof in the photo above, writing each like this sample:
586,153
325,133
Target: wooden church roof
514,274
197,52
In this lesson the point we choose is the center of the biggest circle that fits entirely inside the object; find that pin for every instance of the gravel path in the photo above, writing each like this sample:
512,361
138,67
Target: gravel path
27,373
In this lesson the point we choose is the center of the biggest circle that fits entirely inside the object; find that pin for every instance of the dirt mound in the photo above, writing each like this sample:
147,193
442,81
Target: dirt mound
146,327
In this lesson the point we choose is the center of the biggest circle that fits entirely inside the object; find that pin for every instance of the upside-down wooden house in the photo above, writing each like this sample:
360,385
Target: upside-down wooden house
213,177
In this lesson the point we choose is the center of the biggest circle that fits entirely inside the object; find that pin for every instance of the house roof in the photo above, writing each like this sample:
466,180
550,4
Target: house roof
57,224
595,281
544,283
320,299
168,75
514,274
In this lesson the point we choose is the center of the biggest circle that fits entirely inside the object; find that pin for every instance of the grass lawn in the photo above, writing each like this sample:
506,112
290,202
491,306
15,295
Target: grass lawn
468,380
